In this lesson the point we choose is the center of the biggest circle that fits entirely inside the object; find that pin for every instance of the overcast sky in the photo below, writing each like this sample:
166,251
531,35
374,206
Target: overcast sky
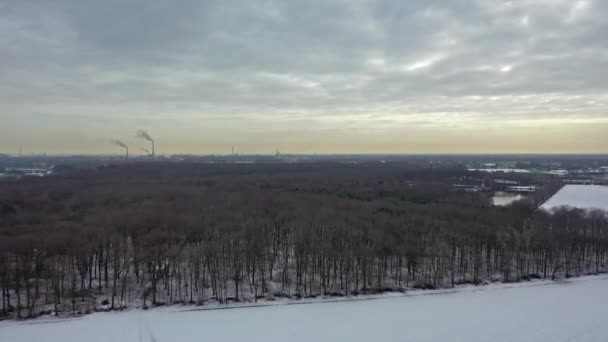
327,76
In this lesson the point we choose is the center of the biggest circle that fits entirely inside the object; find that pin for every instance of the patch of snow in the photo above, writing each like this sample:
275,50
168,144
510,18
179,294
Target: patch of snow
557,172
536,311
502,201
502,170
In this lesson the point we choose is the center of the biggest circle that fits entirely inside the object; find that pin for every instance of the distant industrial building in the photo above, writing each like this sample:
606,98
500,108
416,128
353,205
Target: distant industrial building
521,188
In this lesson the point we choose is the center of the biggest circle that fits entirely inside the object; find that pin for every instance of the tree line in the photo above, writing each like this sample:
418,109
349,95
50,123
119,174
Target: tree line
158,235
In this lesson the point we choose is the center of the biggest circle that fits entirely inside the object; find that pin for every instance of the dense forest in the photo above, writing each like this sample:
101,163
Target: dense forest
151,234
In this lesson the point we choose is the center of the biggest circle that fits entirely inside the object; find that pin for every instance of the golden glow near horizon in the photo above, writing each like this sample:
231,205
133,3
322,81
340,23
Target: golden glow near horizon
489,77
302,136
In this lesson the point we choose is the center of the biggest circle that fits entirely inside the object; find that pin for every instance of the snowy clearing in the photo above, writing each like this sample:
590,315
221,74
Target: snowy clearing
502,201
573,310
579,196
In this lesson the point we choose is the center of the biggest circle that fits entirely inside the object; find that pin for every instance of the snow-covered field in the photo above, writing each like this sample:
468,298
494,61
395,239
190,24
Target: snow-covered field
579,196
502,170
574,310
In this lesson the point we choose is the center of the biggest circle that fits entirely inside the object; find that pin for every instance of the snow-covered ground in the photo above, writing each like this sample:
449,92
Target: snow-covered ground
502,170
503,200
573,310
579,196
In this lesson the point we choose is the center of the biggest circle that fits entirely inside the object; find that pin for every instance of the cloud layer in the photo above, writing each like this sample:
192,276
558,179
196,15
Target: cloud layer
308,76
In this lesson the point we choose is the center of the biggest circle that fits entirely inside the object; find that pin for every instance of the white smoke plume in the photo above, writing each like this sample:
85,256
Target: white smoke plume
120,143
144,135
141,134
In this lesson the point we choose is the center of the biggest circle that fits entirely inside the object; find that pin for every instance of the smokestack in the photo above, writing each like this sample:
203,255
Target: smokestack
121,144
144,135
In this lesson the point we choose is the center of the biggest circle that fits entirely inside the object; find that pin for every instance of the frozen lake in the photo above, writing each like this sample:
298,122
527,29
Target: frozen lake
573,310
579,196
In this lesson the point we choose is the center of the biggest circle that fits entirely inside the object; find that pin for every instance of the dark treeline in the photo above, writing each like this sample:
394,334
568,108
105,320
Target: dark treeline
154,234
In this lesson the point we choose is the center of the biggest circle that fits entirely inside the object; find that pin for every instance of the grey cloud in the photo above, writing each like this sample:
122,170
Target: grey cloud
318,58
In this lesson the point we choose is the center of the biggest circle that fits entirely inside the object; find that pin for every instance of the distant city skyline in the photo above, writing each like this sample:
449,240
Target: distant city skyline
304,77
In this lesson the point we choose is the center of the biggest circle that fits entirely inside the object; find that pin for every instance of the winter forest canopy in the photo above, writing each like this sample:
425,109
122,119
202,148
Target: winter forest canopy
150,234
